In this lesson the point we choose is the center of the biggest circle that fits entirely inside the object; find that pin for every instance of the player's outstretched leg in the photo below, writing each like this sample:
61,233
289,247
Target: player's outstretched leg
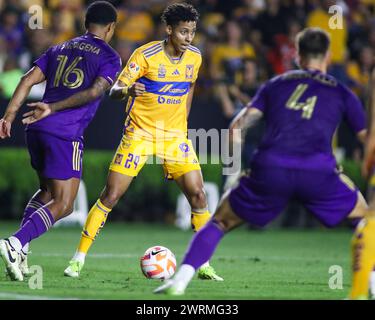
63,193
191,184
198,220
33,205
363,256
201,248
38,200
94,223
116,186
39,222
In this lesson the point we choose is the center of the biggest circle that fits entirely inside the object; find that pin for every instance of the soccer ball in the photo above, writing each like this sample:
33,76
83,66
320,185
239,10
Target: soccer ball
158,263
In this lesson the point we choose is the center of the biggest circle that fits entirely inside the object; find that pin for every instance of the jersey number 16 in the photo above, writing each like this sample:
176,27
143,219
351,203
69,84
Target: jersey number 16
63,73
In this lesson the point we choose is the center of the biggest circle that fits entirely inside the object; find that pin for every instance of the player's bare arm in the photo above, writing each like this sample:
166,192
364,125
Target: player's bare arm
362,136
42,109
28,80
189,99
120,90
245,119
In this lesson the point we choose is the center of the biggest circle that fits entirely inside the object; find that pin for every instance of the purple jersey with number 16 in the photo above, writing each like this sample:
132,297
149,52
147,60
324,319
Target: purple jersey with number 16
69,68
294,160
55,143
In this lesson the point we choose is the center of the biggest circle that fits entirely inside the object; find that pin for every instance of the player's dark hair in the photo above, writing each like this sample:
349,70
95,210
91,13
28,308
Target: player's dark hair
177,12
312,42
100,12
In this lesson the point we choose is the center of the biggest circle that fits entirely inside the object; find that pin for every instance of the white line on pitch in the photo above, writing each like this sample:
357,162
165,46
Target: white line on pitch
16,296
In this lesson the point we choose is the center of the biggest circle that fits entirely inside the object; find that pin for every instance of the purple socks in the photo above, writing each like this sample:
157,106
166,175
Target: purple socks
203,245
37,224
31,207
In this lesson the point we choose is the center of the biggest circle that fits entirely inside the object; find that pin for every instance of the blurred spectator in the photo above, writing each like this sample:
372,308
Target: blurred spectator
9,77
249,10
247,15
320,17
39,41
358,29
135,23
360,71
272,21
234,96
261,52
283,55
227,56
11,30
62,27
211,23
298,10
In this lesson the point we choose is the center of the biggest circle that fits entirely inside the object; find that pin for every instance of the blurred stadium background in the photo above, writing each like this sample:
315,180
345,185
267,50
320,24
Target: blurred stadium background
243,43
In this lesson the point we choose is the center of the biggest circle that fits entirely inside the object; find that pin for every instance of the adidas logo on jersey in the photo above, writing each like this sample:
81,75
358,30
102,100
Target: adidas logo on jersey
175,73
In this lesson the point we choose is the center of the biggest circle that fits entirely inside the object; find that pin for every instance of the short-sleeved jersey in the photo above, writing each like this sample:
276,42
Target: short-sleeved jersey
302,110
69,68
160,113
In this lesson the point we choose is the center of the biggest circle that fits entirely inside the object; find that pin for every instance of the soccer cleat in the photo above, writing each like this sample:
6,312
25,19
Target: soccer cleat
23,264
170,288
208,273
74,269
11,260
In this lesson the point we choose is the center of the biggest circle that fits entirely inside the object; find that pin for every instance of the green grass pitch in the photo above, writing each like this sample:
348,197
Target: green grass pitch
271,264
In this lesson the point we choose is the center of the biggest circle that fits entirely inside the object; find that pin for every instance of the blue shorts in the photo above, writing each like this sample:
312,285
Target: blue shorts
263,194
53,157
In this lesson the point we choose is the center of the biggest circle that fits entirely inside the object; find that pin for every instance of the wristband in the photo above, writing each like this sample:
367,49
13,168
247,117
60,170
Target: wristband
125,90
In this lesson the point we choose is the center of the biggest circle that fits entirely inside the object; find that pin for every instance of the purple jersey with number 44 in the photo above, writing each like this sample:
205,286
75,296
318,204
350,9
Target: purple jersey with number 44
302,110
69,68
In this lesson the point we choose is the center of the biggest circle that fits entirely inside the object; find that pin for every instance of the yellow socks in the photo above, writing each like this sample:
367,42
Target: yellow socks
94,223
363,258
199,219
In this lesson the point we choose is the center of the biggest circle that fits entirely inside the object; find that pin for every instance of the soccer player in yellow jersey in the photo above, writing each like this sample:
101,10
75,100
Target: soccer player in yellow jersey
159,81
363,242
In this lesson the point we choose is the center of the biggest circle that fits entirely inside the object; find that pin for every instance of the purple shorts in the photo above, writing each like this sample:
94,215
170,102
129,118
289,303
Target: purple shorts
53,157
262,195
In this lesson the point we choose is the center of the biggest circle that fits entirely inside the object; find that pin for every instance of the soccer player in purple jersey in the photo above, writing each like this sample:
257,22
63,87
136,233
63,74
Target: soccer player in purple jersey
302,110
77,74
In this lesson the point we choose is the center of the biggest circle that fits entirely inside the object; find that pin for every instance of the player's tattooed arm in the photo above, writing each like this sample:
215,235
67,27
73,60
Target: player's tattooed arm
120,90
42,110
28,80
245,119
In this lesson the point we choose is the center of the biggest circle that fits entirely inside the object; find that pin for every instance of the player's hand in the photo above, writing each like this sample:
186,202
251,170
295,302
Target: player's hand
5,127
369,158
136,89
41,110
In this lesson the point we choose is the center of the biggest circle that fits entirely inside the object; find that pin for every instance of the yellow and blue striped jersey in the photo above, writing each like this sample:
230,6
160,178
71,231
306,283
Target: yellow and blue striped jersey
160,113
